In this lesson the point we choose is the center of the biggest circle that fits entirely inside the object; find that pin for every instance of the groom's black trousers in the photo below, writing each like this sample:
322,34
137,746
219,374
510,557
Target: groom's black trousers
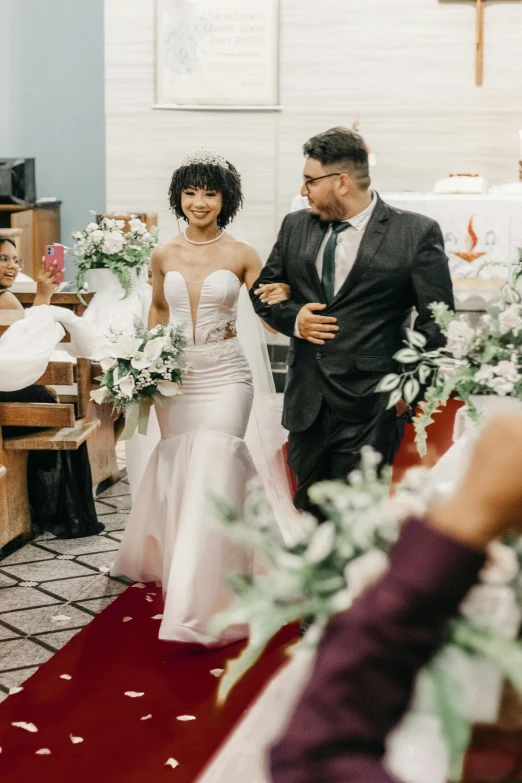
330,448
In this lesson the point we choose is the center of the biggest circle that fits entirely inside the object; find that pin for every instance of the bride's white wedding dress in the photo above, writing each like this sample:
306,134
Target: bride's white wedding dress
172,534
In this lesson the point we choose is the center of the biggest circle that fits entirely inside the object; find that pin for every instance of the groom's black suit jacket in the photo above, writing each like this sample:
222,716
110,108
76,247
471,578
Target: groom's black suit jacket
400,265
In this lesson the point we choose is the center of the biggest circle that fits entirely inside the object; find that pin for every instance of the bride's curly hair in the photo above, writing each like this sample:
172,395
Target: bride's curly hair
206,176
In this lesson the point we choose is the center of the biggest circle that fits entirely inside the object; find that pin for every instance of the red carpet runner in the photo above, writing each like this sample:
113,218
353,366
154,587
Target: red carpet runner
105,660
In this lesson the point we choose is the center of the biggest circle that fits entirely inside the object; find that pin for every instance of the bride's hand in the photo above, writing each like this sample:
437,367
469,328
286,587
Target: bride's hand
273,293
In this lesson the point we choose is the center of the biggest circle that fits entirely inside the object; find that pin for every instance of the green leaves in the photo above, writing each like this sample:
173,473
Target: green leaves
389,382
415,338
411,389
407,356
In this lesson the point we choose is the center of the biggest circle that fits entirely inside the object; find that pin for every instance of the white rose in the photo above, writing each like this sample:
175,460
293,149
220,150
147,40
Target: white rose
365,570
501,386
502,564
92,227
98,234
137,226
168,388
113,244
494,607
321,543
140,361
127,385
99,395
510,320
485,374
154,348
458,338
507,370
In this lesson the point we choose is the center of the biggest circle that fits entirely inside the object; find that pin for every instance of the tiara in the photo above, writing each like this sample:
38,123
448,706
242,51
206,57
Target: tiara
207,157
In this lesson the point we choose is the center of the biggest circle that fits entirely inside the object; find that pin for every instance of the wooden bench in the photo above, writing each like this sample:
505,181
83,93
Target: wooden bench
62,431
102,445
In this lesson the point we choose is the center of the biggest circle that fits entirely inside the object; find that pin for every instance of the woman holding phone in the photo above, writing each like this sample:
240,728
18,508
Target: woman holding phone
59,482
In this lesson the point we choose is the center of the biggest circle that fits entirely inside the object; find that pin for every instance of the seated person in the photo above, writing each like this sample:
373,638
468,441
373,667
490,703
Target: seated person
59,482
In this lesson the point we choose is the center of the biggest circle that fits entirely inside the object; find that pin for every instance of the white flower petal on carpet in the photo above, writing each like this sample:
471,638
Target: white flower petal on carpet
134,694
186,717
75,740
65,677
43,752
172,763
27,726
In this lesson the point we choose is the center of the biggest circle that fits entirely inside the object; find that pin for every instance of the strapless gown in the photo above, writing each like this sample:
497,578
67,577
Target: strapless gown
172,534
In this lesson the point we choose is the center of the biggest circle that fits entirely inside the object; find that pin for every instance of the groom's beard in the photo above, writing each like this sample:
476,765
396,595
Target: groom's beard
331,209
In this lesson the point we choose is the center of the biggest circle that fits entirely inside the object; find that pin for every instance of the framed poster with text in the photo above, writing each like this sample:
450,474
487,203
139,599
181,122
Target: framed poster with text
217,54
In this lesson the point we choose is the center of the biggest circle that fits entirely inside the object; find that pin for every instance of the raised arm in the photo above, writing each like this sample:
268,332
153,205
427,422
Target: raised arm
159,309
431,283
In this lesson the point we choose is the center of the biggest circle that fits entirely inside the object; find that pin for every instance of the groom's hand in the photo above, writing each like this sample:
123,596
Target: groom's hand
316,328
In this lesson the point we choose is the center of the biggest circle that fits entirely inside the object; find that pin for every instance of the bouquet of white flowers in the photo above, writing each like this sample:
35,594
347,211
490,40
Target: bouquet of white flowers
104,245
485,359
140,369
335,561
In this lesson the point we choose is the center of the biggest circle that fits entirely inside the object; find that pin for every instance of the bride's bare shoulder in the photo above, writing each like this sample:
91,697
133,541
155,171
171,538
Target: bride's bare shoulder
165,250
244,250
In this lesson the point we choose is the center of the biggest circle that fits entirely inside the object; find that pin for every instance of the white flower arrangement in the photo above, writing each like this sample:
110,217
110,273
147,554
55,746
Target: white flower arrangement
140,369
481,360
335,561
104,245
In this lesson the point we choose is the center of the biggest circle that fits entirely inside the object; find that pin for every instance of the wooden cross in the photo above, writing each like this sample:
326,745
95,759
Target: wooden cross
479,43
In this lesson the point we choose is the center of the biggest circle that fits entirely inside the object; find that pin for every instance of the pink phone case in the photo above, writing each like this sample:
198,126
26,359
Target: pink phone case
55,253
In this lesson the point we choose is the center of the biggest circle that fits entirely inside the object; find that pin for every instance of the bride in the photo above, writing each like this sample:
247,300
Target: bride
172,535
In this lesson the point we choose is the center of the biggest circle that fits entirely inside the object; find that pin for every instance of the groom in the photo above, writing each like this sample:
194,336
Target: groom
356,268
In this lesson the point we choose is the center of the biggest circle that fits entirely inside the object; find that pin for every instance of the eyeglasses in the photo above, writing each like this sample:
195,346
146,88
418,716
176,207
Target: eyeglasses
309,182
5,261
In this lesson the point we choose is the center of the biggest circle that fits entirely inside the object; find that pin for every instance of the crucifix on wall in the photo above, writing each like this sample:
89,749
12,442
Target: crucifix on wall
479,41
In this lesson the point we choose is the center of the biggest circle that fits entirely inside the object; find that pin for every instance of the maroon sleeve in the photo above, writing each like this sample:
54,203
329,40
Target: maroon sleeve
367,661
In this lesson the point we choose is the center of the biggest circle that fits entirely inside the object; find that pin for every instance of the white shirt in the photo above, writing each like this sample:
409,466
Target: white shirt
348,243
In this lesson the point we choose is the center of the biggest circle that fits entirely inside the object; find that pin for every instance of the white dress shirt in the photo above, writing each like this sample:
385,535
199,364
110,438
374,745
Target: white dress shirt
348,243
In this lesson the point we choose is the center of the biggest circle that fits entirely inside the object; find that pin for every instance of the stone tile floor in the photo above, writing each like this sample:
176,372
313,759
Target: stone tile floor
51,588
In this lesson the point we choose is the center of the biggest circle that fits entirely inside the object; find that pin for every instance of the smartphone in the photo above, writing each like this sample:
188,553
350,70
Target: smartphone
55,253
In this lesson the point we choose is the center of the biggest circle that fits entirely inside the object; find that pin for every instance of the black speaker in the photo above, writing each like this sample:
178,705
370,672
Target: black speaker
17,181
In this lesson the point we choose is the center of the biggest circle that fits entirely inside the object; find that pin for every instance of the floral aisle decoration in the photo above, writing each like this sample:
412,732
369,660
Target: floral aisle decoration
335,561
481,360
104,244
140,369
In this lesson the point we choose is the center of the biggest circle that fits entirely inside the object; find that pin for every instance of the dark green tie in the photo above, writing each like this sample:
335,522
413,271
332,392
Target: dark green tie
328,274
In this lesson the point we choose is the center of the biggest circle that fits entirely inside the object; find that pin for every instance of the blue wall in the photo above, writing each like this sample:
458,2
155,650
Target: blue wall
52,92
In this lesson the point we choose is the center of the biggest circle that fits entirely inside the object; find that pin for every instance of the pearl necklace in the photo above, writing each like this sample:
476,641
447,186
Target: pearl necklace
208,242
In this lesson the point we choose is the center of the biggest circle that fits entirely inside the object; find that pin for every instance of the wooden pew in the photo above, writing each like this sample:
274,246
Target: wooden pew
102,444
62,431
